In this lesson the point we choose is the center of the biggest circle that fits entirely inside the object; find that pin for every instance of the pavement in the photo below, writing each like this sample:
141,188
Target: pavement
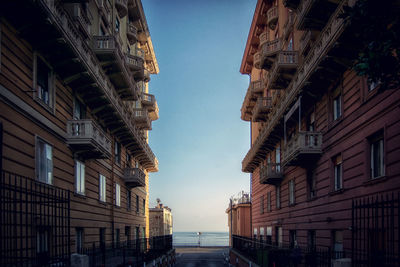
201,256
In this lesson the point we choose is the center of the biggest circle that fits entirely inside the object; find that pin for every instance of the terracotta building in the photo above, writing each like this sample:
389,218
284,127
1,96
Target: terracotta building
239,219
322,138
75,111
161,222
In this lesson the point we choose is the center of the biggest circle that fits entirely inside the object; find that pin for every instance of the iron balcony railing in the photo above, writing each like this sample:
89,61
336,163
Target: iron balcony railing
134,177
271,173
87,137
305,142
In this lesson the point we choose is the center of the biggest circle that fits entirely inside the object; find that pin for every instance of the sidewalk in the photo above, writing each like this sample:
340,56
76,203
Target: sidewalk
201,256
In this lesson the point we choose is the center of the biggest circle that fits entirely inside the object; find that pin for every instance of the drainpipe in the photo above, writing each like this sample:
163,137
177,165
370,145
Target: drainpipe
112,192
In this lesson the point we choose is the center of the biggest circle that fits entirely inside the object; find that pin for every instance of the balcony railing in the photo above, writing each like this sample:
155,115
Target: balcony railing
272,17
302,148
131,33
148,100
283,69
104,44
271,48
80,16
262,107
141,118
154,113
142,75
134,177
134,63
87,139
257,87
271,173
122,7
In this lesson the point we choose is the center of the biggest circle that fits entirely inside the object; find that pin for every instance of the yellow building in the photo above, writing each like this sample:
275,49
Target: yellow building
160,220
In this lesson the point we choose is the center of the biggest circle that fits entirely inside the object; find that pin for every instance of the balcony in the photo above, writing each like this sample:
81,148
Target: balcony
131,33
142,75
283,69
87,139
134,177
122,7
154,113
141,118
257,60
105,47
302,149
269,50
309,15
134,63
149,101
272,17
271,173
292,4
261,109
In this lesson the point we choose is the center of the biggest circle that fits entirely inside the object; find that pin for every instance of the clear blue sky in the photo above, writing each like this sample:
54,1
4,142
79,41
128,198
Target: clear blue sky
199,139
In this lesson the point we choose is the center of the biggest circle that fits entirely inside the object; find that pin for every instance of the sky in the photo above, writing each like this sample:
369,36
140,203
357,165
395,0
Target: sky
199,139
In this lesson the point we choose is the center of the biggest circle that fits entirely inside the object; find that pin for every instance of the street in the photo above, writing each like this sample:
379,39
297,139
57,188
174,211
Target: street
196,257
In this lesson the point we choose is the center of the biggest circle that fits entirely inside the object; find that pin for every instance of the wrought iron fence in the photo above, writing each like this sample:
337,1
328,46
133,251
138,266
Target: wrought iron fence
376,231
266,254
34,222
133,252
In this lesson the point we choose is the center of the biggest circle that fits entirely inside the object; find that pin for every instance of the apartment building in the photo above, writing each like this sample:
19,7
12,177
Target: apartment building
324,157
239,216
75,111
161,222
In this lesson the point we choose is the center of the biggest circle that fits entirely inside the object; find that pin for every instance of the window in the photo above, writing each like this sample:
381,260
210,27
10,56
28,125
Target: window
372,85
137,203
311,239
144,206
79,110
129,200
377,156
128,160
311,184
117,195
337,161
337,107
268,201
117,25
292,238
42,242
43,81
44,161
79,240
102,237
79,177
291,192
128,234
278,235
278,158
278,196
262,205
102,188
337,240
117,152
255,232
117,237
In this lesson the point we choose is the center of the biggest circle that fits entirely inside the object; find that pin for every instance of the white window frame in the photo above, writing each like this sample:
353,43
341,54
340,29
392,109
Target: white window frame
102,187
117,195
79,177
44,175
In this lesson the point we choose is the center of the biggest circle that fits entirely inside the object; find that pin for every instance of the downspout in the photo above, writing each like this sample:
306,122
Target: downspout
112,192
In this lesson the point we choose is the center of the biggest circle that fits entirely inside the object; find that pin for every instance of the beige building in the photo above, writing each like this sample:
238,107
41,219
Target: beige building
160,220
239,215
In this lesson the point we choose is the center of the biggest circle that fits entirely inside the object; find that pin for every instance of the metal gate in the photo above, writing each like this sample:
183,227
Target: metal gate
376,235
34,223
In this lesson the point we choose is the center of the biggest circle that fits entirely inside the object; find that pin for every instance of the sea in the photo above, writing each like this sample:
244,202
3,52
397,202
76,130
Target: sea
202,239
